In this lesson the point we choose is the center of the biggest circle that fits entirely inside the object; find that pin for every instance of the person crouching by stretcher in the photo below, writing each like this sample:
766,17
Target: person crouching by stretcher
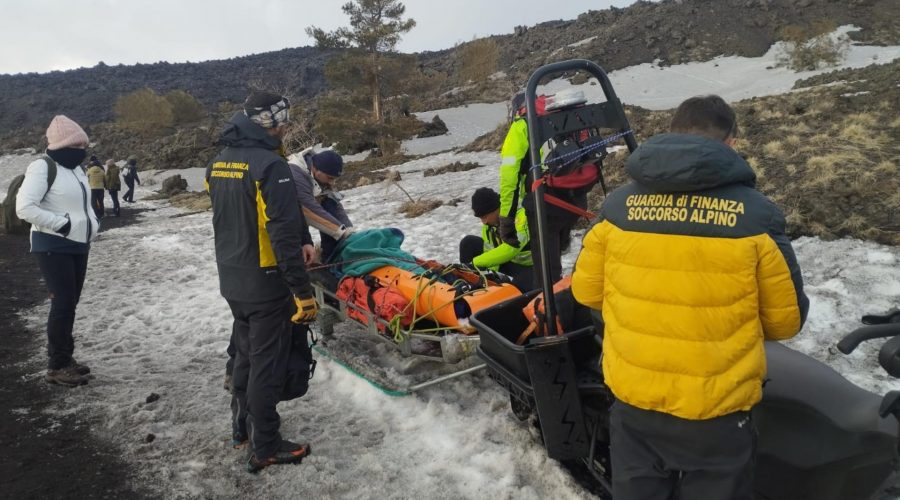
489,252
319,201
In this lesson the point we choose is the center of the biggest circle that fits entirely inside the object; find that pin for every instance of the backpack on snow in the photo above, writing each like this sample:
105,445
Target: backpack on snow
368,295
11,222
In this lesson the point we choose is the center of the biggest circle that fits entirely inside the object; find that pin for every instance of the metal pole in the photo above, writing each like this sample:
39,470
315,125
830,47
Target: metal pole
414,388
536,139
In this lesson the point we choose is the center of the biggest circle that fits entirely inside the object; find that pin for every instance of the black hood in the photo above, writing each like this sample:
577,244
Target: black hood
682,162
240,132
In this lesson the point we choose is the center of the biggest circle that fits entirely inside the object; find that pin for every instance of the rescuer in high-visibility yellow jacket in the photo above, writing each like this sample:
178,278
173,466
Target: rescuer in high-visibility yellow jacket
490,251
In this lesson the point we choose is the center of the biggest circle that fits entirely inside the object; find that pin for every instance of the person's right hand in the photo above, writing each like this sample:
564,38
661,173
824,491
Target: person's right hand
64,230
309,255
306,308
507,231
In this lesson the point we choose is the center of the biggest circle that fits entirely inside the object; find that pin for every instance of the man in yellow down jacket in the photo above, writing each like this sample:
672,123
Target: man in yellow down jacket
692,270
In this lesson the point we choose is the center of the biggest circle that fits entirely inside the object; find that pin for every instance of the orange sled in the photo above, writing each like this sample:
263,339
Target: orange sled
438,301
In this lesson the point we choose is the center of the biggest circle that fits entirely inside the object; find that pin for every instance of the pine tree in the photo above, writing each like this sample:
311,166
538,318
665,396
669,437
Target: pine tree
376,27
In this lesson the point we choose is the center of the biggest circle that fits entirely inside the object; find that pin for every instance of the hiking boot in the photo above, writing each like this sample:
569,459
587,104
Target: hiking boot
80,368
239,441
67,377
288,453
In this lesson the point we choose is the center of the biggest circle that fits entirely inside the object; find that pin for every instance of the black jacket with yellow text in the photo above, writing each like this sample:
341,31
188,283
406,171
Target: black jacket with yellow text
259,230
692,270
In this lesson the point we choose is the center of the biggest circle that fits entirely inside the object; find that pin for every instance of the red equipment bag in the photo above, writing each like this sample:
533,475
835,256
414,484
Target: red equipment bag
368,294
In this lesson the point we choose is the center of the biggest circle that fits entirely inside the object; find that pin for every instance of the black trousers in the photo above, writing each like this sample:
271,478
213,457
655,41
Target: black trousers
262,336
64,275
114,194
97,202
656,456
232,352
557,236
472,246
129,194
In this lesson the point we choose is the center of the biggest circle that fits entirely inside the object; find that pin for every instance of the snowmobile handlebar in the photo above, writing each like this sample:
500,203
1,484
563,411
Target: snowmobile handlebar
849,343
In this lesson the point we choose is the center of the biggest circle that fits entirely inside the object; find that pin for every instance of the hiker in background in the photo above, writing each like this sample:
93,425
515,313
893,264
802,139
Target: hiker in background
97,180
113,184
130,175
687,301
489,251
53,198
258,240
320,203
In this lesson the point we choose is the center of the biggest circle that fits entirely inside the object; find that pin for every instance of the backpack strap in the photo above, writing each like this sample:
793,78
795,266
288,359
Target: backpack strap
51,173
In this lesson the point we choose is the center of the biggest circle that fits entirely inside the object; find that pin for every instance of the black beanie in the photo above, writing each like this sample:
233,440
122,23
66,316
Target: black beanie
484,201
329,162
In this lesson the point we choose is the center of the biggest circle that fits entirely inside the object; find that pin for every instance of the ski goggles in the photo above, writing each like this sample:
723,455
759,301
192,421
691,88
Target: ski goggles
273,116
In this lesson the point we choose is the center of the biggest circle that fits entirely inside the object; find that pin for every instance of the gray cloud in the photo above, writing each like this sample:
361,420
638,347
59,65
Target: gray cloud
46,35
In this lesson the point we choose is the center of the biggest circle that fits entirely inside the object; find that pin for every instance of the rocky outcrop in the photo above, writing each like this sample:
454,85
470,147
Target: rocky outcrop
88,95
173,185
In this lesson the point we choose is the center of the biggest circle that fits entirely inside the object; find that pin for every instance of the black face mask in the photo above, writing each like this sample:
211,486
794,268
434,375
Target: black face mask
68,157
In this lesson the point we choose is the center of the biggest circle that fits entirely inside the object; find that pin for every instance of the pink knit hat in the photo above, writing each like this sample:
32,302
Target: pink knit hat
65,133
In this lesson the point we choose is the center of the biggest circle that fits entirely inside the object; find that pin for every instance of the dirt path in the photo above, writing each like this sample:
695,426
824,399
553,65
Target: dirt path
44,456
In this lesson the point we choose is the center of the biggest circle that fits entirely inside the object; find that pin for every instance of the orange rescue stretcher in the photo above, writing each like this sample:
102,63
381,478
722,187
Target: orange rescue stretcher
436,314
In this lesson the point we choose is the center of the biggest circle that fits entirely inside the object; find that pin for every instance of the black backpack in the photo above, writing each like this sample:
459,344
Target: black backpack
11,222
301,365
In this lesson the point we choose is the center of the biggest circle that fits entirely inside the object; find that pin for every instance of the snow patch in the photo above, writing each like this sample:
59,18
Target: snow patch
464,124
582,42
733,77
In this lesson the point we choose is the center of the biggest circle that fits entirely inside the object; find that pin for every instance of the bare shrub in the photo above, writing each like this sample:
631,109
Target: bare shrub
478,60
415,208
811,47
185,107
144,110
453,167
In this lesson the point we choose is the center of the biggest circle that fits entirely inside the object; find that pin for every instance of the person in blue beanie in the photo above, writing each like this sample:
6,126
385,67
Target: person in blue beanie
319,201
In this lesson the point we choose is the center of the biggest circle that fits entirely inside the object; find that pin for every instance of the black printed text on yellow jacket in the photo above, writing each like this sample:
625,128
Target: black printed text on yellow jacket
258,227
692,270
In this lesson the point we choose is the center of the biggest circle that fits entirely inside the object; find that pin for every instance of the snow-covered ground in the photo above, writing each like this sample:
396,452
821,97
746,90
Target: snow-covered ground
151,320
464,124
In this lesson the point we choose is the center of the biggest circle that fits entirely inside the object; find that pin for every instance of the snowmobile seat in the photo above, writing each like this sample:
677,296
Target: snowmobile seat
796,379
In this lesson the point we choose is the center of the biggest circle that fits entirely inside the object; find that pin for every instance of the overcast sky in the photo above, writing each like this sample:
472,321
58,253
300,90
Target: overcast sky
47,35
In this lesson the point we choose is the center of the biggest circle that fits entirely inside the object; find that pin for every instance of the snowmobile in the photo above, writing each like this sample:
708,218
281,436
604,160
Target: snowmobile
819,436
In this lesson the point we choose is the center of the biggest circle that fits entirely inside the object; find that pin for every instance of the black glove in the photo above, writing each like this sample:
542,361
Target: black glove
507,231
65,229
